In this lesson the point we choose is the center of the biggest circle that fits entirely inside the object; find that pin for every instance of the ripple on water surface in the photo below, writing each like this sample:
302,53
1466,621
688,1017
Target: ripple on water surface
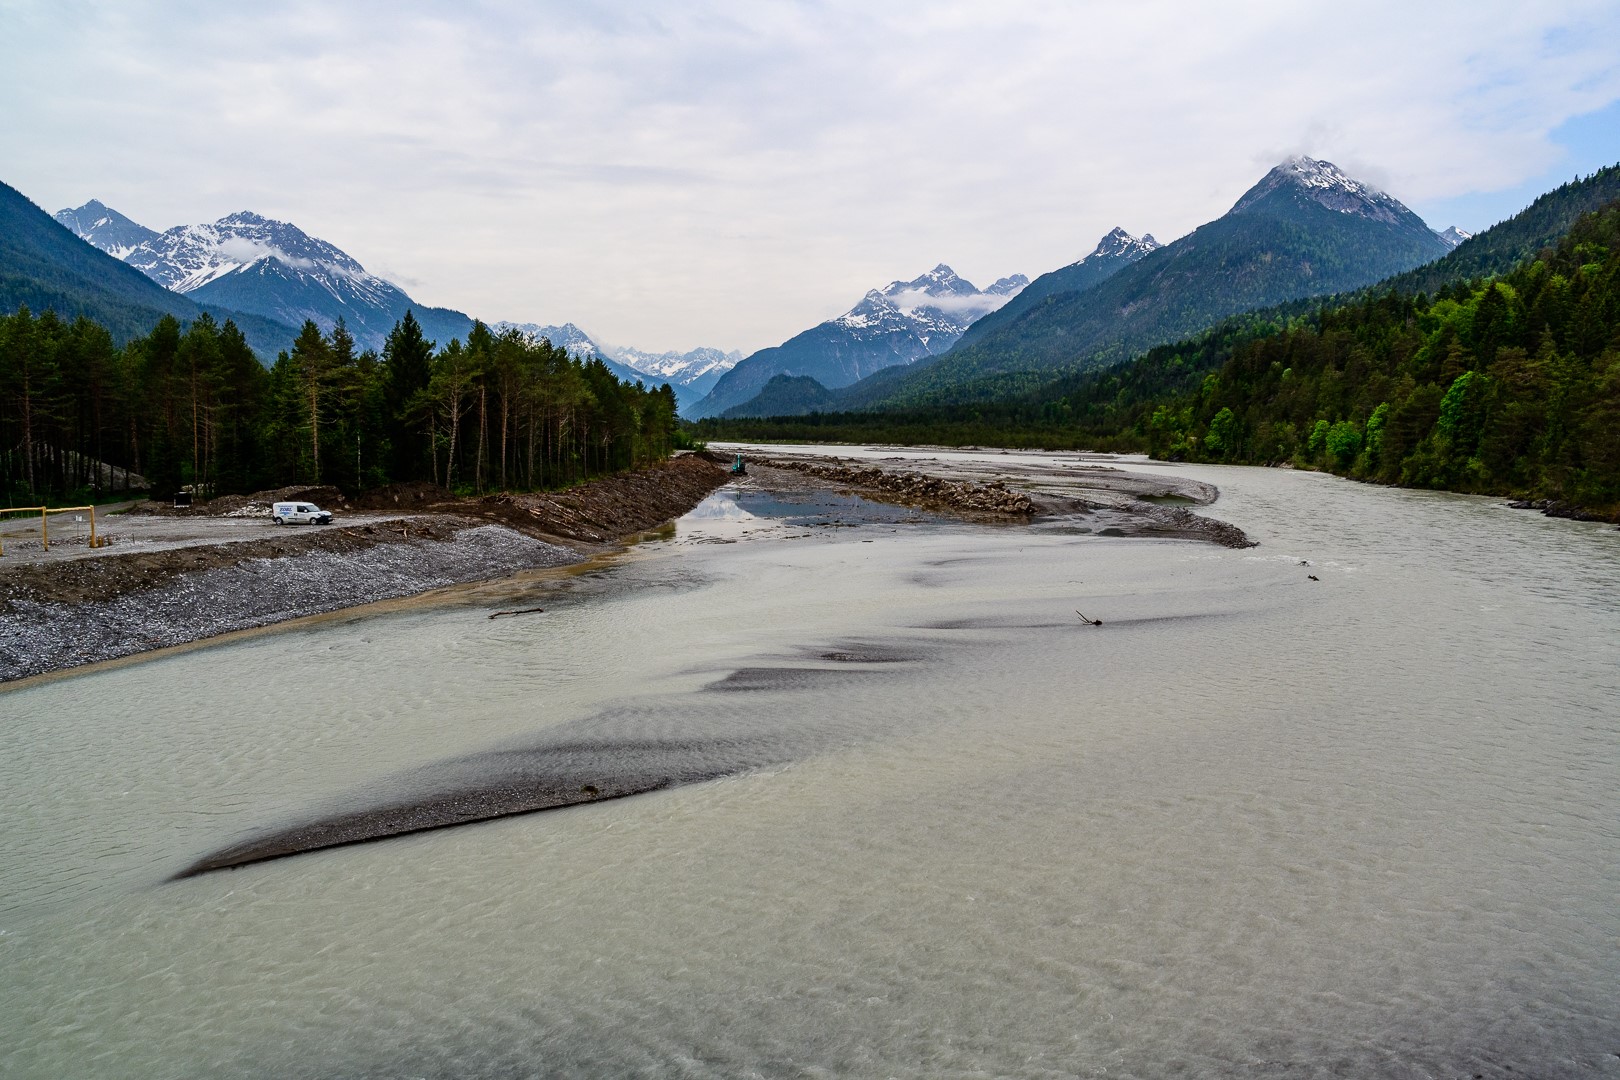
1251,825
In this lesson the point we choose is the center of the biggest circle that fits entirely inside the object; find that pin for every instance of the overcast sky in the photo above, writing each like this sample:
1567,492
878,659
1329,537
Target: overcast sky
728,174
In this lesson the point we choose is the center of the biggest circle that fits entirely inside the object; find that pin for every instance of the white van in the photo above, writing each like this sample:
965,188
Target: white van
290,513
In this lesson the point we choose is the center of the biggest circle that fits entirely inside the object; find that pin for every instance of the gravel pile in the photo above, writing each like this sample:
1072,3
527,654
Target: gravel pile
922,490
41,636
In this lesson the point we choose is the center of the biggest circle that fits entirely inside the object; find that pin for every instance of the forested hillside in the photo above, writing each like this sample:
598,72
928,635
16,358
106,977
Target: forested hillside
193,406
1505,385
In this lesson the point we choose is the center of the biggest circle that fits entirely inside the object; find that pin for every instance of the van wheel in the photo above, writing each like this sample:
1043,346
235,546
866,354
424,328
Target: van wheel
277,521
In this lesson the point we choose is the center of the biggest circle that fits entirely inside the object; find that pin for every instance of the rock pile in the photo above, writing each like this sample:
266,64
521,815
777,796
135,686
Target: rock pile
917,489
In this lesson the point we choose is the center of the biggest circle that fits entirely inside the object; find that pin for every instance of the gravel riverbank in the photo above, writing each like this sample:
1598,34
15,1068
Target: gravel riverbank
38,636
176,579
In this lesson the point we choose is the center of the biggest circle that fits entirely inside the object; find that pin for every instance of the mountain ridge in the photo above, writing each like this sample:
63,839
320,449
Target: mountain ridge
47,266
888,327
248,262
1304,229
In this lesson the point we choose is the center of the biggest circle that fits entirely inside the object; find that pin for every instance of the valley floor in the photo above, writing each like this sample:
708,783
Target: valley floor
169,578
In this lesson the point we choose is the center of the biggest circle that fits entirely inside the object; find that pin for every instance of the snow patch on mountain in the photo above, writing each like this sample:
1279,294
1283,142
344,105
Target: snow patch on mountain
568,337
1325,183
1120,244
187,257
1454,236
105,228
937,306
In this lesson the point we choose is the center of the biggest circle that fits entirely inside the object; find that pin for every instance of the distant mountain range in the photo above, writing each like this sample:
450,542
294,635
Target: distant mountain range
896,325
1305,229
691,374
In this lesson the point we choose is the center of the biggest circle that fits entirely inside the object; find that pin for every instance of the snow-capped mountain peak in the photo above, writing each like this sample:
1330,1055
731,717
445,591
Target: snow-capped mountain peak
1118,243
938,303
1325,183
188,257
105,228
253,264
1454,236
1008,286
567,337
898,324
679,367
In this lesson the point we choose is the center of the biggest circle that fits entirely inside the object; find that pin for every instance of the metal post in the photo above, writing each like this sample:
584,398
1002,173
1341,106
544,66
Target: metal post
93,528
44,535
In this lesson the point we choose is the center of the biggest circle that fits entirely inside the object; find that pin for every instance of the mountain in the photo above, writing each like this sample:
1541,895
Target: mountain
1112,254
45,265
691,374
1306,229
1453,236
254,264
892,326
786,395
567,336
106,228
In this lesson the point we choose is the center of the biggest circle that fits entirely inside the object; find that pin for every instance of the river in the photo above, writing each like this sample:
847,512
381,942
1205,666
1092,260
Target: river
1253,824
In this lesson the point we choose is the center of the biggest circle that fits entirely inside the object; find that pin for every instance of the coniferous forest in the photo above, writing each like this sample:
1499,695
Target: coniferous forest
1498,384
192,407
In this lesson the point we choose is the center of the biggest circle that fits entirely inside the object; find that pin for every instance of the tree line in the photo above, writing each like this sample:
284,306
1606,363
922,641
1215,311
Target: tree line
191,407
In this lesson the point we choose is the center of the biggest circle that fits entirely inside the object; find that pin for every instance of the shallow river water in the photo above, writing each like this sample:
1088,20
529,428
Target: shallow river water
1252,825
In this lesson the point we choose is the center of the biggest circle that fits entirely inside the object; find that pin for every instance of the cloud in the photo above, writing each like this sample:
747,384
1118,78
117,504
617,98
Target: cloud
241,249
725,172
981,304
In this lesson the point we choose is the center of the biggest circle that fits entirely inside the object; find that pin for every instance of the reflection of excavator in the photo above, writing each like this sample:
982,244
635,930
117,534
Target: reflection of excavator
738,468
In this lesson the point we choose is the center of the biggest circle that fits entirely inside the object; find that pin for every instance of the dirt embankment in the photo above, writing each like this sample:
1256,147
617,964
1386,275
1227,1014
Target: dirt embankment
615,506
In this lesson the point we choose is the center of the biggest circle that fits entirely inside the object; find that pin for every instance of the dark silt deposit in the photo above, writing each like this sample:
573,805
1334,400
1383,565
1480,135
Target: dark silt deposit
495,785
609,756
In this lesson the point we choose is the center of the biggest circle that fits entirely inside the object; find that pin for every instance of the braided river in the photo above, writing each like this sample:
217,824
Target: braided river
912,816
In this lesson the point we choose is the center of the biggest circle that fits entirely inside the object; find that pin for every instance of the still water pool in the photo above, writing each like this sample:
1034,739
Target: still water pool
1251,825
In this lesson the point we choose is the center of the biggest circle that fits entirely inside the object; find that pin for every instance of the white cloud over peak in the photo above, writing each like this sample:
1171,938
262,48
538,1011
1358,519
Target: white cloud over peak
241,249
